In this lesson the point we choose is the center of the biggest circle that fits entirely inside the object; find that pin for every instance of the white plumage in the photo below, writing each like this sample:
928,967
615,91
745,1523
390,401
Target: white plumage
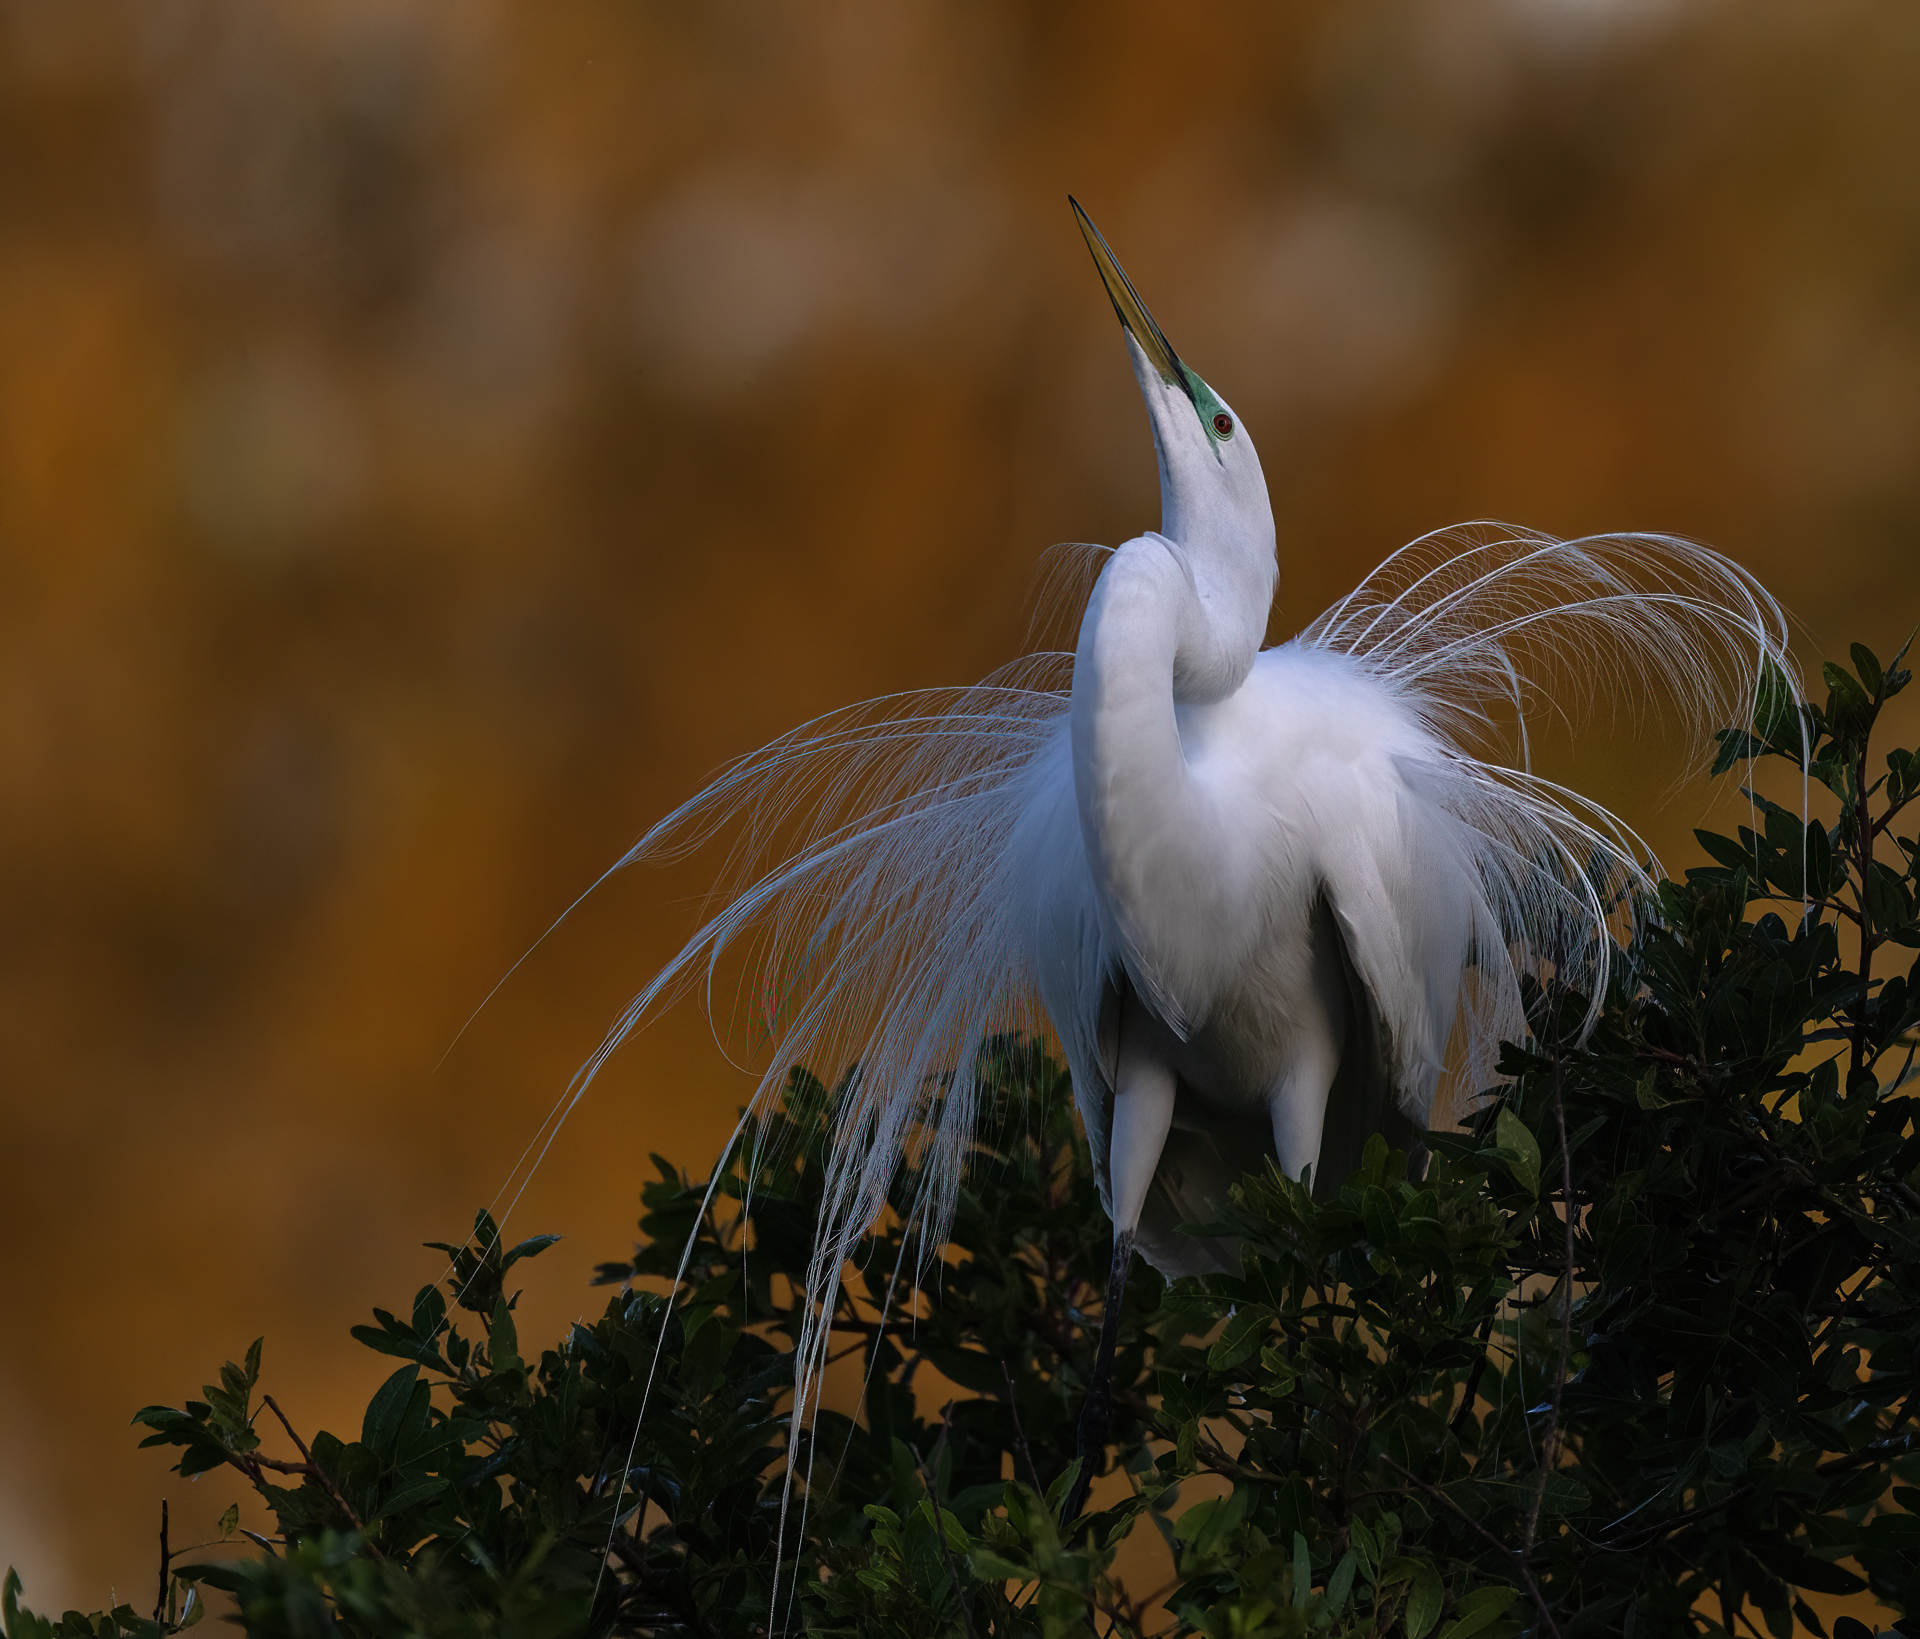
1248,891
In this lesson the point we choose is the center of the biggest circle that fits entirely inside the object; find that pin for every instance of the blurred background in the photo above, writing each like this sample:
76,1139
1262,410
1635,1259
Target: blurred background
433,436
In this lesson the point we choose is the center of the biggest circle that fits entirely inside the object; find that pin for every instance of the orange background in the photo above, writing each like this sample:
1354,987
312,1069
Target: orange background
434,436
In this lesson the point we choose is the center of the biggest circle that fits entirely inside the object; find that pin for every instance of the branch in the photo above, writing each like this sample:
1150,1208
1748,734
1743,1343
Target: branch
166,1562
321,1475
1896,1446
940,1538
304,1470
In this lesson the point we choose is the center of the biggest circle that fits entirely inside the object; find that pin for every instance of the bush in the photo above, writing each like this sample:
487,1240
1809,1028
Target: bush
1634,1354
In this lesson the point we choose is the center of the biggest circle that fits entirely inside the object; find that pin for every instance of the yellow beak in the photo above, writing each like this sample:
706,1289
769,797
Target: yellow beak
1126,302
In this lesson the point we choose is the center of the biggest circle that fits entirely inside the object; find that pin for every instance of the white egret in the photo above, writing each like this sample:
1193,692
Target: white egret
1266,900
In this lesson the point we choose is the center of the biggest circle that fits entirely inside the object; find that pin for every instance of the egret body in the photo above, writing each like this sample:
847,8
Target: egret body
1265,900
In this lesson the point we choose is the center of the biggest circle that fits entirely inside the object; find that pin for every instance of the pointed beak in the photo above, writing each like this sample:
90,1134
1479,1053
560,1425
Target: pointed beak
1126,302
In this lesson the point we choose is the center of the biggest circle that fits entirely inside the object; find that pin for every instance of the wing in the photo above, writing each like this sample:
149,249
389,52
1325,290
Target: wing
1401,880
1480,625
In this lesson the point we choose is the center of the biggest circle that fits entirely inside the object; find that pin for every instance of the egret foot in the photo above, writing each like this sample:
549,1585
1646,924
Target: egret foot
1096,1415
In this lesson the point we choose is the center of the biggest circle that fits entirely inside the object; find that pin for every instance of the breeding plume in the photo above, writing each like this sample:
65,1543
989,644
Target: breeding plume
1268,901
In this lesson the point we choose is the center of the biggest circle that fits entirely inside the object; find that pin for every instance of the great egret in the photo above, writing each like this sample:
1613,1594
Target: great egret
1264,899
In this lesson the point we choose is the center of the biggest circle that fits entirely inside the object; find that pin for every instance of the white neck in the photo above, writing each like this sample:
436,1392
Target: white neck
1176,619
1155,636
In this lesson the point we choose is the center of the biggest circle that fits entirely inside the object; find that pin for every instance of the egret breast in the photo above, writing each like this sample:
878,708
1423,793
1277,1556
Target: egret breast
1303,764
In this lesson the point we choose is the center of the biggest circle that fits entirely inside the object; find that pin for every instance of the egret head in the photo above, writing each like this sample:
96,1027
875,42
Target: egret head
1213,495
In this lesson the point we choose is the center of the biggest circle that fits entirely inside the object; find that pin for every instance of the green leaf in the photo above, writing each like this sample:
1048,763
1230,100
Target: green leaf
1819,858
1340,1584
1207,1525
1366,1546
1479,1609
1867,665
429,1313
1848,708
1519,1149
1888,904
531,1247
1776,717
20,1623
1241,1337
1725,851
1803,1570
1903,775
1898,677
1495,1597
1736,746
1843,685
394,1337
990,1566
1423,1603
381,1425
411,1492
1646,1091
503,1340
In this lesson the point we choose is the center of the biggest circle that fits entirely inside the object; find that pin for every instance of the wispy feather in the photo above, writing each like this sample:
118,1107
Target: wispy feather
879,897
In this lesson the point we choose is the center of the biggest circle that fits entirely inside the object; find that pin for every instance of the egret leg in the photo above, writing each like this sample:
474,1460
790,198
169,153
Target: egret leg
1142,1114
1298,1101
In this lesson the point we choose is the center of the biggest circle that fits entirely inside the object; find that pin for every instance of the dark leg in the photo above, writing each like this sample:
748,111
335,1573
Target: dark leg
1096,1416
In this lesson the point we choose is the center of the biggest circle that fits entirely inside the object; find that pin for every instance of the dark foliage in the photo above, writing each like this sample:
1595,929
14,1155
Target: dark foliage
1634,1354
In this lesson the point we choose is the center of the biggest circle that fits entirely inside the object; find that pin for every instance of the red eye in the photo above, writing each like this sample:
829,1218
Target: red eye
1223,424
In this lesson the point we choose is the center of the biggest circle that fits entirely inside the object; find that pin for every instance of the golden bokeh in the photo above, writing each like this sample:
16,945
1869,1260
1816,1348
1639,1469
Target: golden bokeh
433,436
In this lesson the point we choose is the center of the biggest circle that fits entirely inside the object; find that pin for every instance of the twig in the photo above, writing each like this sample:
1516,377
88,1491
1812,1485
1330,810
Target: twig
1550,1445
1652,1533
321,1475
166,1563
1020,1434
1468,1399
1863,834
304,1470
639,1519
1518,1561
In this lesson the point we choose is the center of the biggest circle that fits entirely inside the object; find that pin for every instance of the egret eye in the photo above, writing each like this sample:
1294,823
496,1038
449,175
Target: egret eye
1223,424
